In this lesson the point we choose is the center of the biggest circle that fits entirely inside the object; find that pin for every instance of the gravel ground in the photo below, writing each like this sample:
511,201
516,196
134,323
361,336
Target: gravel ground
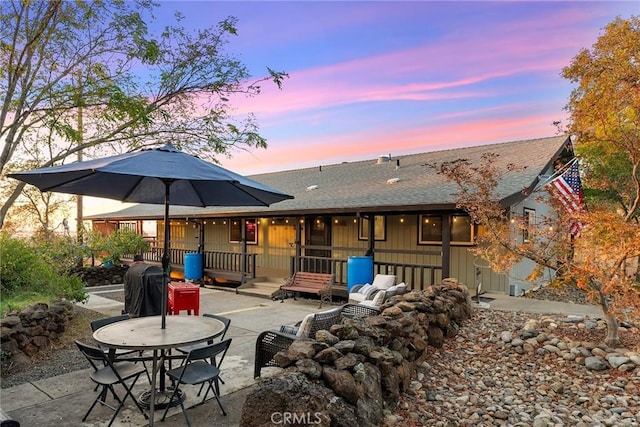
478,378
562,294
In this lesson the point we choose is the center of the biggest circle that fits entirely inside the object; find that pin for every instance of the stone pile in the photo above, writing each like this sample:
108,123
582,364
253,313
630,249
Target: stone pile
537,336
100,276
354,372
25,333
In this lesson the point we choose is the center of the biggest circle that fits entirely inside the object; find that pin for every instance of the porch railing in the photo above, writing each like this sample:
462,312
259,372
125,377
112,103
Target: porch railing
228,262
417,276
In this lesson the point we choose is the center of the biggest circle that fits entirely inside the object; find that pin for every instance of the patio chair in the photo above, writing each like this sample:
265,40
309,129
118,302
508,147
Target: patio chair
353,311
99,323
383,295
107,374
186,349
225,321
367,291
269,343
202,366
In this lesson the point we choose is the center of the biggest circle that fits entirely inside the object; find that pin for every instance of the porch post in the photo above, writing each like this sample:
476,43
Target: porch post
298,244
243,257
446,245
372,233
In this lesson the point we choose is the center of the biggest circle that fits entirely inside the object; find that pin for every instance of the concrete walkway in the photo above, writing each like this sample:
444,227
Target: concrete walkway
63,400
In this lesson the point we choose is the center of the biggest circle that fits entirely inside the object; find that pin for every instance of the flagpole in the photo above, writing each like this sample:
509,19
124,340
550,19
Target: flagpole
557,173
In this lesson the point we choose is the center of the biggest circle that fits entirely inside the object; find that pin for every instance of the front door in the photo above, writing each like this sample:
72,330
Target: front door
317,241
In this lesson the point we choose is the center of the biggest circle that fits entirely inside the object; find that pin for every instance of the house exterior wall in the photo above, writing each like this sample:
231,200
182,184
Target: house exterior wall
180,237
276,246
519,272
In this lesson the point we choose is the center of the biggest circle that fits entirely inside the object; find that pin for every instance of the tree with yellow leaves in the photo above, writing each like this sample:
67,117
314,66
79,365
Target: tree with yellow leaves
605,117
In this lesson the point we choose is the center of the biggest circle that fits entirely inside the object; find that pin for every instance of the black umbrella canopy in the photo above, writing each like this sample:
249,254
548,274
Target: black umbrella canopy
158,176
141,177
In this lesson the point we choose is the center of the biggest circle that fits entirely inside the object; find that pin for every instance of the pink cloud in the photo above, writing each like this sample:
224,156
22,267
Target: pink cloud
331,149
459,65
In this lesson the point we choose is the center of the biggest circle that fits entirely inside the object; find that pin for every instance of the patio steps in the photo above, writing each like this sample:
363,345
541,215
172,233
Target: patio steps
261,287
266,286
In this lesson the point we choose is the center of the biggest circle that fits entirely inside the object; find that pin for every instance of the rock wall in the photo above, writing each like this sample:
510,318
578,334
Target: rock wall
25,333
99,276
349,374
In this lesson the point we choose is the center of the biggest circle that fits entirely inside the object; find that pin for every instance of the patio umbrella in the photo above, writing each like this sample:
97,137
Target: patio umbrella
162,175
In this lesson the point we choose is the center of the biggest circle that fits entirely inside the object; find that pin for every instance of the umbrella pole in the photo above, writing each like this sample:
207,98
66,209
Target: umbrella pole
165,255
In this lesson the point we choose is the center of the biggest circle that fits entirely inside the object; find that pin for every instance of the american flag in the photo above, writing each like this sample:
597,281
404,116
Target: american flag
567,189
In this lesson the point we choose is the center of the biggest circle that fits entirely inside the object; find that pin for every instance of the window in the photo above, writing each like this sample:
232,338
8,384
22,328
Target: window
430,229
462,230
251,230
529,221
380,230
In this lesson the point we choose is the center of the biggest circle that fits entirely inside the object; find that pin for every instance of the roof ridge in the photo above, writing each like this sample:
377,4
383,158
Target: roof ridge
404,156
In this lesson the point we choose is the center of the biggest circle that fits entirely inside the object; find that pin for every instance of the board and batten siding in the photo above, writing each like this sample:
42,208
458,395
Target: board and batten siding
276,246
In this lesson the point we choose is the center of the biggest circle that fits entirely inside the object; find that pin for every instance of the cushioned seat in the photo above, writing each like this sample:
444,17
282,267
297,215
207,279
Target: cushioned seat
367,291
384,294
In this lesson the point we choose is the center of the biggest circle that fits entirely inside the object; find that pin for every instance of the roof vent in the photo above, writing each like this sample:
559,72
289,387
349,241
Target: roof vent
384,158
312,187
393,180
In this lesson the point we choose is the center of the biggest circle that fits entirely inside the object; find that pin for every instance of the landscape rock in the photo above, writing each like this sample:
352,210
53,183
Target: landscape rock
366,364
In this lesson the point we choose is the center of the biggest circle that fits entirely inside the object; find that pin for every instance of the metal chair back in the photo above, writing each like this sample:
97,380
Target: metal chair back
225,321
99,323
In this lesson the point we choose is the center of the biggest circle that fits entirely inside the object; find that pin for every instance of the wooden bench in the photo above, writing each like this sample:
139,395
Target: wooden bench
311,283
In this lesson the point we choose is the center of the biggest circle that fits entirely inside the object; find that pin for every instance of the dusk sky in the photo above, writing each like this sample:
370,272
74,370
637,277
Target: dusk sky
370,78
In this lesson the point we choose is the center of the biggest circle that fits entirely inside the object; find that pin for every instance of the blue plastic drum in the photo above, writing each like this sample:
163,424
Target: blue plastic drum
359,271
192,266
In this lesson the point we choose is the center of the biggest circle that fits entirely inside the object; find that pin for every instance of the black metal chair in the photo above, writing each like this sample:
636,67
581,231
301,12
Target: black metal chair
107,374
351,311
99,323
202,366
225,321
269,343
186,349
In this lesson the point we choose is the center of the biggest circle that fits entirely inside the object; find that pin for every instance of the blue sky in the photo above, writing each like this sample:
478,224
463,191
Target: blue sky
375,77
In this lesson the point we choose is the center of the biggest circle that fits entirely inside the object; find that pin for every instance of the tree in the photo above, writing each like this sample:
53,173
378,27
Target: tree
594,261
605,113
92,74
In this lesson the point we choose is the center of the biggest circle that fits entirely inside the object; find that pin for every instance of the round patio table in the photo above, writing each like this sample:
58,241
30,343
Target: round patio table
146,333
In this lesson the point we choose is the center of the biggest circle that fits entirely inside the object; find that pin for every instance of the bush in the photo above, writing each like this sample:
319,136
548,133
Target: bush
27,275
62,253
115,245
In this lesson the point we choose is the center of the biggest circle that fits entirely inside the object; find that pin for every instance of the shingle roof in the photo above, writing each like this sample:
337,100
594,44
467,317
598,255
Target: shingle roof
364,185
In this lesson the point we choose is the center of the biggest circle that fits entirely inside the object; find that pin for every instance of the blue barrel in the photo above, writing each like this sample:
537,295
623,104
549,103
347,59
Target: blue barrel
192,266
359,271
